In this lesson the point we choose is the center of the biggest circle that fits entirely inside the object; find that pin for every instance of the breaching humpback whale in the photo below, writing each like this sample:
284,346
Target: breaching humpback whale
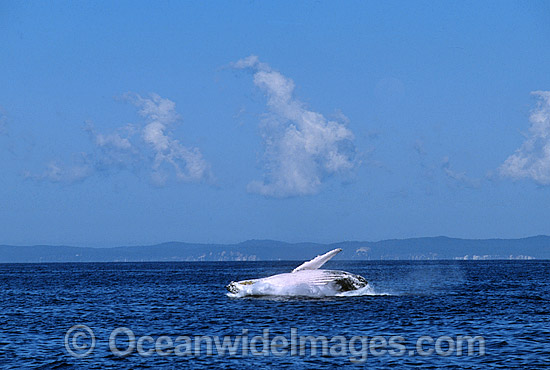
303,280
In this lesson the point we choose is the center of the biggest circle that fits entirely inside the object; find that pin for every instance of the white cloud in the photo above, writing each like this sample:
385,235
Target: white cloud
302,147
149,146
114,151
532,159
113,140
187,162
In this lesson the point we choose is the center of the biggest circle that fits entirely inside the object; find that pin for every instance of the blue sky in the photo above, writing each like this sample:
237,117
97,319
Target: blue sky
127,123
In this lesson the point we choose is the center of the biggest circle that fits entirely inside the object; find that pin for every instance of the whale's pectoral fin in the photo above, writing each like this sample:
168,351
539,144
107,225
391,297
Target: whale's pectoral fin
318,261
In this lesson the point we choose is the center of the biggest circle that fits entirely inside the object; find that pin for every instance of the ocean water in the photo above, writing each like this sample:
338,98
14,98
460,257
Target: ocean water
164,308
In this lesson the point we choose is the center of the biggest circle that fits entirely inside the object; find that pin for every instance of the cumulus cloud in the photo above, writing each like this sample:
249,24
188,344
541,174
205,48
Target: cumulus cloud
135,147
187,162
113,140
532,159
115,151
302,147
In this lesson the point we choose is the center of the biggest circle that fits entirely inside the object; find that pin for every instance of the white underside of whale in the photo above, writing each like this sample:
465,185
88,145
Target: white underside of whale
305,280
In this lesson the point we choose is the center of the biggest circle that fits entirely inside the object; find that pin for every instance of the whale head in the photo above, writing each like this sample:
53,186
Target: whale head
236,286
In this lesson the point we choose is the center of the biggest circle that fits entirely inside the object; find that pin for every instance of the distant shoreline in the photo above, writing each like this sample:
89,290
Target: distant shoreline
422,249
278,261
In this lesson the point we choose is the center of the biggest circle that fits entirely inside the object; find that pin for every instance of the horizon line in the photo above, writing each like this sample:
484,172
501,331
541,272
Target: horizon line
268,240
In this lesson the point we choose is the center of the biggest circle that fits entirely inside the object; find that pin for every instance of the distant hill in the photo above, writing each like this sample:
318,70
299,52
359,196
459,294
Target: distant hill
537,247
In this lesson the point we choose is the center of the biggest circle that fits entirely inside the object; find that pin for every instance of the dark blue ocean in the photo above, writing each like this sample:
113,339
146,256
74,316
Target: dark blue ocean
506,303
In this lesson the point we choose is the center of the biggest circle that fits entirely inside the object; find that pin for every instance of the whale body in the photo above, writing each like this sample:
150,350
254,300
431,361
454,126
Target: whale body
306,279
